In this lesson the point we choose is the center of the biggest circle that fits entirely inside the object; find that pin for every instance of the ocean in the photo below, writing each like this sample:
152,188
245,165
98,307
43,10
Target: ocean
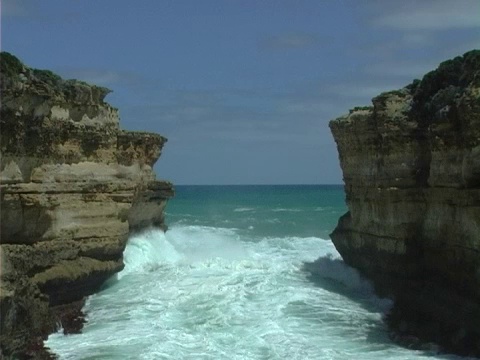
227,281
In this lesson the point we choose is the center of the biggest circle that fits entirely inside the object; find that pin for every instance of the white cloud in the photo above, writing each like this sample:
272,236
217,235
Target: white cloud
430,15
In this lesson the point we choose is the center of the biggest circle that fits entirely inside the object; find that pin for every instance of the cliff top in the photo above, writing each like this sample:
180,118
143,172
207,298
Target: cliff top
461,71
437,88
17,78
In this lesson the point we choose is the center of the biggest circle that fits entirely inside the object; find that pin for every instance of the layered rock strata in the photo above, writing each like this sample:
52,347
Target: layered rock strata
73,185
411,166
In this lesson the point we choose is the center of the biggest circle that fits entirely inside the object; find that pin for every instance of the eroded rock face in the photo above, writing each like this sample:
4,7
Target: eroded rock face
73,185
411,166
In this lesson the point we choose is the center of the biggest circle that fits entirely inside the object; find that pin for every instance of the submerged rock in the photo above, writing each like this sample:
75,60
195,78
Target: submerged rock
73,185
411,166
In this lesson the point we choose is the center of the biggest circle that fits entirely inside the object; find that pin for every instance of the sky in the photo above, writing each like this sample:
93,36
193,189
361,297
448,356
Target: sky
242,89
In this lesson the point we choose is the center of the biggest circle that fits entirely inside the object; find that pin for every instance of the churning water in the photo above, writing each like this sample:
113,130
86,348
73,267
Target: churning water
227,282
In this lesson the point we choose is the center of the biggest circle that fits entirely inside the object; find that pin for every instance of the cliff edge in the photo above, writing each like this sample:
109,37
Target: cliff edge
73,186
411,166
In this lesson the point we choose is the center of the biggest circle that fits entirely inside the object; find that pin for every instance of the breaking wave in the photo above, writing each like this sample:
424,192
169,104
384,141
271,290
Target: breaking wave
200,292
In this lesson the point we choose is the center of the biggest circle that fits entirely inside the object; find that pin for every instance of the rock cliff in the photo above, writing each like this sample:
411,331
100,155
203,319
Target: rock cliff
73,185
411,166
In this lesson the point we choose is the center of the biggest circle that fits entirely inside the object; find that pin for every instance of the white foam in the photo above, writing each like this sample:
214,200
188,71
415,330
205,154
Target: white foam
198,243
332,267
243,209
148,249
286,210
205,292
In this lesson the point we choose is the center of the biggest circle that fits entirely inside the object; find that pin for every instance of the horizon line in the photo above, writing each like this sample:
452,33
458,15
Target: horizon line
263,184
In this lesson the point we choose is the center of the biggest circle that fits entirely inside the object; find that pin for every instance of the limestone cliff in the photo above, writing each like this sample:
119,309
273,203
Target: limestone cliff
73,185
411,166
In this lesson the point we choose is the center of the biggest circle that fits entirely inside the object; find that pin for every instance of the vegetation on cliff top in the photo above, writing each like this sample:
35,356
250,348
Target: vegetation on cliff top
458,72
449,80
46,82
10,65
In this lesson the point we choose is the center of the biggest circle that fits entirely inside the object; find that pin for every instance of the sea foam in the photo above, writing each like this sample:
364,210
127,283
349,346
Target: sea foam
148,249
203,292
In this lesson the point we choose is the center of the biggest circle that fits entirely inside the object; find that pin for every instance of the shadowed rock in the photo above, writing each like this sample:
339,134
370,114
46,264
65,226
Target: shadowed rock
411,166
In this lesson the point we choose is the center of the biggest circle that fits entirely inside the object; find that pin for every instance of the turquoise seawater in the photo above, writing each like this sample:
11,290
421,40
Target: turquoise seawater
226,281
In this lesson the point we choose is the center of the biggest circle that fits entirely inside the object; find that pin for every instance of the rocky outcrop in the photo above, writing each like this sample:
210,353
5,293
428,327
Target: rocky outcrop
73,185
411,166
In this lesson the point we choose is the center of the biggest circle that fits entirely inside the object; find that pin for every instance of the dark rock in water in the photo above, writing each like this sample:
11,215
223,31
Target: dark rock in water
73,185
411,166
70,317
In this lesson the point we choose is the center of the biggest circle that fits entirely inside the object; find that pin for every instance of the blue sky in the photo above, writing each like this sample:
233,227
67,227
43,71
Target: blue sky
243,90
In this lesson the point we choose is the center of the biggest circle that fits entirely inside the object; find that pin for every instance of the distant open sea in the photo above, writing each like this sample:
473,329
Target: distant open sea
227,282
